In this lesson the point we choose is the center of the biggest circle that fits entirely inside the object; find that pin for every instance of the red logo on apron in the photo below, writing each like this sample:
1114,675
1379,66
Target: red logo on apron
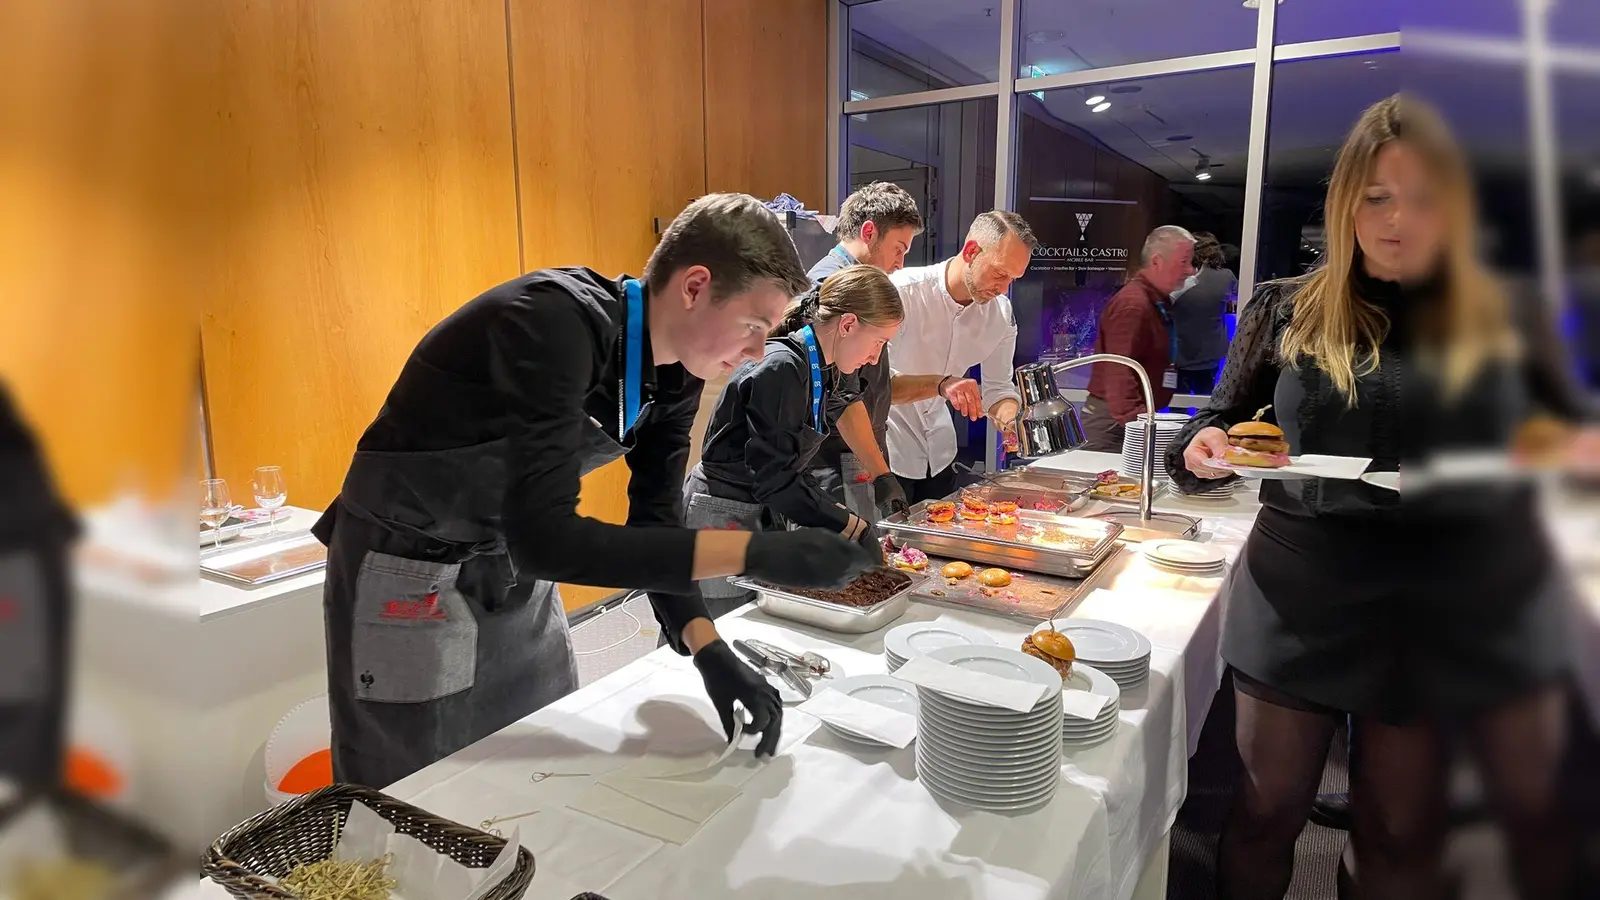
8,610
425,610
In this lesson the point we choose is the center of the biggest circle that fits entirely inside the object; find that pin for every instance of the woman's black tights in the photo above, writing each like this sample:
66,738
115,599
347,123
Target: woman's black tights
1398,798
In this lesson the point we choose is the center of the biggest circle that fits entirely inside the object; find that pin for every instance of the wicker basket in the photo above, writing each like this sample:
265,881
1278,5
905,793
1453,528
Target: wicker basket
146,863
305,829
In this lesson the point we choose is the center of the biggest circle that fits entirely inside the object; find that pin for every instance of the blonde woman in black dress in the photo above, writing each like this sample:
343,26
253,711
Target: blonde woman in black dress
1440,614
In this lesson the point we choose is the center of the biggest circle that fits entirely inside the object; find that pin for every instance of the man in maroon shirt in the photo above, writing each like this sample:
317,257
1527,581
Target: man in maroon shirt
1137,324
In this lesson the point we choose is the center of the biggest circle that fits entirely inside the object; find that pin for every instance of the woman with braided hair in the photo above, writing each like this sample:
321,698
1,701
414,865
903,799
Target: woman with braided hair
772,417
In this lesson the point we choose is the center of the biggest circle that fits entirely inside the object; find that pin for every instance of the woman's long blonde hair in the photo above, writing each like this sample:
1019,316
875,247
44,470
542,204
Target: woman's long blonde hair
860,289
1340,331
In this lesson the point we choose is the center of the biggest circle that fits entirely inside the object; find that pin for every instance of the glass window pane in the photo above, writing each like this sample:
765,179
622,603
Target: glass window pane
904,46
1059,36
1314,103
1299,21
1094,185
1577,97
943,155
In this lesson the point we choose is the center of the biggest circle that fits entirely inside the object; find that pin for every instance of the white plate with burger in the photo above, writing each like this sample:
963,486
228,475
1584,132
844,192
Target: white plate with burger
1257,449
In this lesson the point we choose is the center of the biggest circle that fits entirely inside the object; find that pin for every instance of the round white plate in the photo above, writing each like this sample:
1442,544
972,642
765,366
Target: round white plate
1013,755
990,715
1001,662
957,769
1094,730
1018,806
960,783
1184,553
986,763
1074,746
1101,644
1085,677
922,638
1387,480
1258,471
880,690
938,724
956,789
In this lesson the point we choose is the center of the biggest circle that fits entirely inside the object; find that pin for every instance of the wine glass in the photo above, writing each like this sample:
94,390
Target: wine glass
215,507
270,493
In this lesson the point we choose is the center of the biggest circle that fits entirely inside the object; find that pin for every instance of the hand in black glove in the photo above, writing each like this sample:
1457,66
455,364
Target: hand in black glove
808,558
728,680
889,495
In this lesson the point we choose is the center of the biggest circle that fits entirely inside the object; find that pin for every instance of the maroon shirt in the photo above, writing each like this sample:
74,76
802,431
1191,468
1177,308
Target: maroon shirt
1132,326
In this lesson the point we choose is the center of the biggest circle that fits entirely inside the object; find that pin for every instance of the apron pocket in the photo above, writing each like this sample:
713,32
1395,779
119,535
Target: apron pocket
415,638
706,512
24,644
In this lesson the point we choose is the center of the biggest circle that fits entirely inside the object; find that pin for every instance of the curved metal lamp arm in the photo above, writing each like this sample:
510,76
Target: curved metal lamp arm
1147,481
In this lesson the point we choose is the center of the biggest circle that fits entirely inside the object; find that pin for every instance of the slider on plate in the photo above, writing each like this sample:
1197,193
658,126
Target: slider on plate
1054,648
1258,444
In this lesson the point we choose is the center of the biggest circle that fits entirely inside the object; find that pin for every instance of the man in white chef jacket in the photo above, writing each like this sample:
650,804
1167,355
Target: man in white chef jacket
957,316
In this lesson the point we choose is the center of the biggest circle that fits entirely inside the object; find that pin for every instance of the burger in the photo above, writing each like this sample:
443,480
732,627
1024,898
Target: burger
941,511
1054,648
1258,444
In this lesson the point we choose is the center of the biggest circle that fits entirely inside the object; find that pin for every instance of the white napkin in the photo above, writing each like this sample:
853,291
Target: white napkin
973,687
607,803
1082,704
888,726
420,872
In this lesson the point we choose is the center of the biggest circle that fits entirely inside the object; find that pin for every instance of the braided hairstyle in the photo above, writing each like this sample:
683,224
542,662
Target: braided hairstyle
859,289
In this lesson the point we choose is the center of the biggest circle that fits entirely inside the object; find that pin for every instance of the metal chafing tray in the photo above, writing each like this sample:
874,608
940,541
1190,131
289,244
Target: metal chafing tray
776,601
1027,496
1010,546
1058,481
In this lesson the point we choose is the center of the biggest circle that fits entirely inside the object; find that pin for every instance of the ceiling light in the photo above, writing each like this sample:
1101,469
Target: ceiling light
1101,108
1256,4
1202,168
1045,37
1095,100
1202,176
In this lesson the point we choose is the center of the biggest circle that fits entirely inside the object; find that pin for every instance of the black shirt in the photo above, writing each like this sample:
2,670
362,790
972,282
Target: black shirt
873,388
537,360
756,435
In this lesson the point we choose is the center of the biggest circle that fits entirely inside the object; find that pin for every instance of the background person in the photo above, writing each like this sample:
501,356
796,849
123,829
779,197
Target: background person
1137,323
1197,317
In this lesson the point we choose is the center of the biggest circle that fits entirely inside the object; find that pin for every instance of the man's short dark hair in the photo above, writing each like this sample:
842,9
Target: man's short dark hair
737,238
990,227
885,204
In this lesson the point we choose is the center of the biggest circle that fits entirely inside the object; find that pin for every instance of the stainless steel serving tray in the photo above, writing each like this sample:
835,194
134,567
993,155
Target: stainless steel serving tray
1027,496
776,601
1003,546
1058,481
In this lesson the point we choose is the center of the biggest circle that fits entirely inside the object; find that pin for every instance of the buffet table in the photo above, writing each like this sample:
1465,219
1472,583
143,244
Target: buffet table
826,815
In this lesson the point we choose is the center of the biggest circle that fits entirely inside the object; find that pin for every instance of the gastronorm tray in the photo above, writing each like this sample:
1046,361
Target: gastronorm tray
1007,545
775,601
1031,597
1060,481
1026,496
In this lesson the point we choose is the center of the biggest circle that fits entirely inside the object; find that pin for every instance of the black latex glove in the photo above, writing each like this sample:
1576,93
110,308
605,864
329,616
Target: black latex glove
729,680
808,558
889,495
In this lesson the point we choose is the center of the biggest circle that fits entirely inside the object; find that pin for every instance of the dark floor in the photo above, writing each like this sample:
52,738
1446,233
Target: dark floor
1474,856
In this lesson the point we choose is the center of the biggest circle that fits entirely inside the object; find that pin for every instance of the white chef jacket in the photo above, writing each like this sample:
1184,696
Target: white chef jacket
940,336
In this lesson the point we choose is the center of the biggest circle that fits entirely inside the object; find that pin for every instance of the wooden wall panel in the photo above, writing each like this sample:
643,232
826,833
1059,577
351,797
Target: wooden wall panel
610,137
366,172
767,98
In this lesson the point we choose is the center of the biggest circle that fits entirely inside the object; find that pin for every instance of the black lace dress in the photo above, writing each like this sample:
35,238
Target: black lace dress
1347,599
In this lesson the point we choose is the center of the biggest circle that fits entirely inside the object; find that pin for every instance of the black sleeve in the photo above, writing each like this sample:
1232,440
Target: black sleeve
777,403
656,467
878,389
542,361
1547,365
1246,384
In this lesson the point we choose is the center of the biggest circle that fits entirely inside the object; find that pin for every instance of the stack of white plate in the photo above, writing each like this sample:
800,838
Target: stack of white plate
1078,733
1167,427
921,638
1116,650
882,690
987,757
1185,557
1220,492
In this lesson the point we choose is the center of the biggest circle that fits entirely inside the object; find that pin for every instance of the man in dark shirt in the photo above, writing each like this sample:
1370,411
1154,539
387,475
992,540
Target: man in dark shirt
876,226
459,511
1137,323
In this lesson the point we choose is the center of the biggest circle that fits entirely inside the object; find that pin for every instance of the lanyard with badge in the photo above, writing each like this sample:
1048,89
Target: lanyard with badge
841,254
815,357
632,377
1169,378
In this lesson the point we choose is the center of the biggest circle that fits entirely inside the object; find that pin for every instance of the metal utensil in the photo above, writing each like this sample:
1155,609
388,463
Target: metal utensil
773,666
808,662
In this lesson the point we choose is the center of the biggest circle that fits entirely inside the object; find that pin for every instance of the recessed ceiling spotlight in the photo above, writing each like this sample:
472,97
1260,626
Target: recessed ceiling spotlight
1202,169
1045,37
1126,89
1179,138
1100,108
1095,100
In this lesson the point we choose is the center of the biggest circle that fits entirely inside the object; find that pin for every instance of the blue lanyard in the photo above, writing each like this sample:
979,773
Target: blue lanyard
633,356
843,255
810,338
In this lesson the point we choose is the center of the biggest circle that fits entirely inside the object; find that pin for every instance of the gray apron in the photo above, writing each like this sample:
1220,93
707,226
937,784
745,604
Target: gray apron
434,640
845,485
